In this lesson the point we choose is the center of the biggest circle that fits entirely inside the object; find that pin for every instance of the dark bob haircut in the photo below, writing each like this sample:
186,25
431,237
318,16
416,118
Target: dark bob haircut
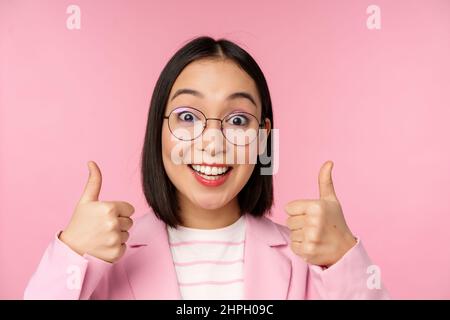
256,197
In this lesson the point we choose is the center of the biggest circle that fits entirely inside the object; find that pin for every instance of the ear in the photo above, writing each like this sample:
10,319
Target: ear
263,136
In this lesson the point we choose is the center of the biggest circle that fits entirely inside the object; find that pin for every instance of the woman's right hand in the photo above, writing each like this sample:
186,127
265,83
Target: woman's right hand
98,228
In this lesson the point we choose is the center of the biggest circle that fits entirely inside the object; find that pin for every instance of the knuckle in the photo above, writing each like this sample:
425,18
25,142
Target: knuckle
127,225
314,235
109,208
295,247
291,207
115,255
112,224
292,235
113,240
290,223
117,252
295,236
309,249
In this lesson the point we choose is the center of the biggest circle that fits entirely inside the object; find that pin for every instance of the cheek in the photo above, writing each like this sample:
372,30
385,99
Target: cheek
174,151
167,146
242,175
166,142
247,155
169,159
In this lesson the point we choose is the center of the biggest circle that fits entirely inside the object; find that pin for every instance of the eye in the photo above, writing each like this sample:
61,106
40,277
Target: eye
238,120
187,116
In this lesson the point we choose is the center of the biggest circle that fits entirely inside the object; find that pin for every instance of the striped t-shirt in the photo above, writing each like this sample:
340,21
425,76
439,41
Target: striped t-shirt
209,262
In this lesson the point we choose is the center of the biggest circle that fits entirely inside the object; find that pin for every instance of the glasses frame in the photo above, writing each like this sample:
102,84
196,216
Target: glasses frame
205,124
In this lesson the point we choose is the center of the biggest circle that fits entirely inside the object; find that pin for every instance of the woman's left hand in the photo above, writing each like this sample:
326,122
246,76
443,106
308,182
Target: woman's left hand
319,233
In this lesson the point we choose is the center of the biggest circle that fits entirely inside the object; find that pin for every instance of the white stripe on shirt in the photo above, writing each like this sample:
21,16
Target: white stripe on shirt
209,262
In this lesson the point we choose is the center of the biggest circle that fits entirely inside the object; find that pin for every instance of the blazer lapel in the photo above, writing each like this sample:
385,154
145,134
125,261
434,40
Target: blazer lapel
267,272
151,271
152,275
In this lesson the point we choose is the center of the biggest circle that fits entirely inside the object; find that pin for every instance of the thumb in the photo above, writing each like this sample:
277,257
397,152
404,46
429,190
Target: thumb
326,188
94,184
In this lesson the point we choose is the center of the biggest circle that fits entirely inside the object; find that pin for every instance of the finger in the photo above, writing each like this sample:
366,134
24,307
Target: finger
298,207
124,236
124,209
296,222
93,185
326,188
125,223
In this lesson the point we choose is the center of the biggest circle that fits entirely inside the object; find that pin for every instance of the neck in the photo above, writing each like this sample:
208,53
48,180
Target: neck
196,217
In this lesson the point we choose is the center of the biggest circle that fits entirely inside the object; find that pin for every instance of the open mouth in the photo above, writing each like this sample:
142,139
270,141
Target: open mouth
210,172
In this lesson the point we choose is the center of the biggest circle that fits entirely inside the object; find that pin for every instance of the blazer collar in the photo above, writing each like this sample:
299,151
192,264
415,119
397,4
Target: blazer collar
152,274
267,272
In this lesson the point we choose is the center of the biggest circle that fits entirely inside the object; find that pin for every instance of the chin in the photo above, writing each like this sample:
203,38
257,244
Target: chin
208,201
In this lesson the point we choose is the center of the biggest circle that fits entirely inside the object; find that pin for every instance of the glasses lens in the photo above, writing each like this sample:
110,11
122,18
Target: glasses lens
186,123
240,128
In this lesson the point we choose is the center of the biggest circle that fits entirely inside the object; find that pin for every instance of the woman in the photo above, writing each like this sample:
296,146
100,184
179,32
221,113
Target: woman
206,236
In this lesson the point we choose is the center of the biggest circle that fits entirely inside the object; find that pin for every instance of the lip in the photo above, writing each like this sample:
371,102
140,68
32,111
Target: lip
211,183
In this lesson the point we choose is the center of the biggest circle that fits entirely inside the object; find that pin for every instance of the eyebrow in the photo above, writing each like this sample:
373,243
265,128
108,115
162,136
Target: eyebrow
232,96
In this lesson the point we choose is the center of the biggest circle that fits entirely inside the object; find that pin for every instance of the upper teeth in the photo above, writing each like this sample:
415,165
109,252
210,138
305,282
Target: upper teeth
210,170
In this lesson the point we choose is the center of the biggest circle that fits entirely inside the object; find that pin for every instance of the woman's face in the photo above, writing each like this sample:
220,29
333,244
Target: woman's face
209,170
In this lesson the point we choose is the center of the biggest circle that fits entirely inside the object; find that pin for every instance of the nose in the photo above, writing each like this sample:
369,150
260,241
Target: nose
212,139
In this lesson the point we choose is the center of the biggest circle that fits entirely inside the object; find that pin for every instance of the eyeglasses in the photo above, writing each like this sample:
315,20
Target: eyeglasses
239,128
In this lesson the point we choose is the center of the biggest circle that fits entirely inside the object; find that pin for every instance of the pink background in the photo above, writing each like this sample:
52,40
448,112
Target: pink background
376,102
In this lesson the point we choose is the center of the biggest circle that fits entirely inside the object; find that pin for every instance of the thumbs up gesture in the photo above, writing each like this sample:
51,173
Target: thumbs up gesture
319,233
99,228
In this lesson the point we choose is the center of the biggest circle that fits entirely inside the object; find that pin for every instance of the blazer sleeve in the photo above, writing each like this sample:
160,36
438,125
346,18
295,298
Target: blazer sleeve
354,276
63,274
